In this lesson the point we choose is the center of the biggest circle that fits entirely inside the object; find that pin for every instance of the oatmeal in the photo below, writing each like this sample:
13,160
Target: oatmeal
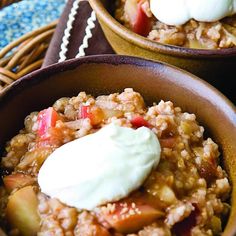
185,194
137,16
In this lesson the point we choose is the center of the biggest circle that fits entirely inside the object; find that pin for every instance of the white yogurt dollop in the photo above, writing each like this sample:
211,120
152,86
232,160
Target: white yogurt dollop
101,167
178,12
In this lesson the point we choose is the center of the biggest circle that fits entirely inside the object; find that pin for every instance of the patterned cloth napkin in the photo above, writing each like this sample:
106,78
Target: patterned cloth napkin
25,16
78,33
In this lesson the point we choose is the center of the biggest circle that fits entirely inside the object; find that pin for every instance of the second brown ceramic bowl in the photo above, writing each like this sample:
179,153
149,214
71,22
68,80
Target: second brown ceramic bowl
215,66
109,74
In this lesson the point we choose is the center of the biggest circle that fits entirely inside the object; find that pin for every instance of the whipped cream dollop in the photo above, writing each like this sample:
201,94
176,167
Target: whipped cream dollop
178,12
101,167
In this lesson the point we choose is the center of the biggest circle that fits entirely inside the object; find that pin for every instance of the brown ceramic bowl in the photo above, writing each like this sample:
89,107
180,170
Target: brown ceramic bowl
108,74
215,66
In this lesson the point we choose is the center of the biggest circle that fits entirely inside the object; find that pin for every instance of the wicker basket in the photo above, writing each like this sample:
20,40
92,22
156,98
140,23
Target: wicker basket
27,53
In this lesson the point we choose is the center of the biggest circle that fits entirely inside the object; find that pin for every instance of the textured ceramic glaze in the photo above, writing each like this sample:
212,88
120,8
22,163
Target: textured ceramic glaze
109,74
215,66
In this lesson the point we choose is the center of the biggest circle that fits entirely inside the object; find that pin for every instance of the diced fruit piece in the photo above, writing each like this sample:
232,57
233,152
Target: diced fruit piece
158,186
56,136
130,8
147,199
21,211
130,217
207,170
95,114
187,127
139,121
216,225
167,195
108,113
184,227
17,180
85,112
168,142
140,22
46,119
194,43
34,159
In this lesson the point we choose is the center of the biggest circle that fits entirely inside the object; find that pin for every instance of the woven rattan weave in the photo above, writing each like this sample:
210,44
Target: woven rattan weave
25,54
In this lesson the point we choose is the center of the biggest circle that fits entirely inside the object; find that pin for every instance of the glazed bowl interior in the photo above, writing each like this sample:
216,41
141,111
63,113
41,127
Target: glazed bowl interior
109,74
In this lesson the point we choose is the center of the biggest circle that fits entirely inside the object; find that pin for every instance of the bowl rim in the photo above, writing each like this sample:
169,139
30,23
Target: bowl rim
113,59
42,74
148,44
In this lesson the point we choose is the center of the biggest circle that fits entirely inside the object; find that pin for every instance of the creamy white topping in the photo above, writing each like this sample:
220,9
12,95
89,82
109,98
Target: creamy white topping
101,167
178,12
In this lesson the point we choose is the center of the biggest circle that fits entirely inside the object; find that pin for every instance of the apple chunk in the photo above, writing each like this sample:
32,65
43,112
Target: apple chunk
129,217
21,211
16,181
140,23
